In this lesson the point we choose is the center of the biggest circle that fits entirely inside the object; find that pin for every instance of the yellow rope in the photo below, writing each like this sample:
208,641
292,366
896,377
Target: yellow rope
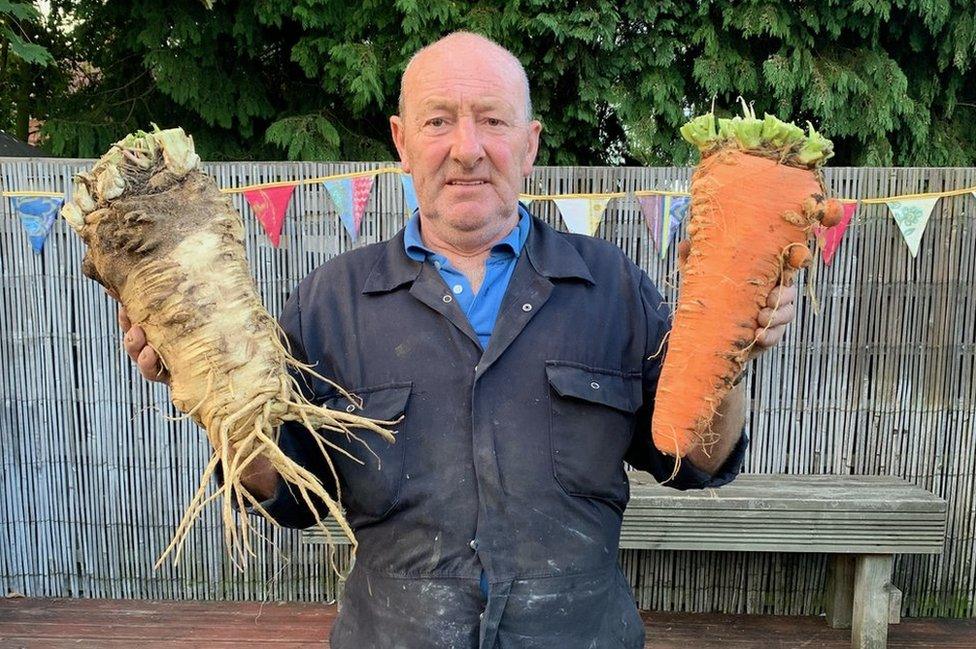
552,197
902,197
531,197
25,193
659,192
311,181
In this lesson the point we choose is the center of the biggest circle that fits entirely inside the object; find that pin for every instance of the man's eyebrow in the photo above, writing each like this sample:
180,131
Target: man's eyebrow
437,103
442,103
492,104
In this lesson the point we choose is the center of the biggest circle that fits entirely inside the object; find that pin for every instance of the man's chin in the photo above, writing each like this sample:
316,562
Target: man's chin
472,216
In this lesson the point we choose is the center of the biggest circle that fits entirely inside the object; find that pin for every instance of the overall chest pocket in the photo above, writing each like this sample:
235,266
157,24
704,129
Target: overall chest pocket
370,489
591,422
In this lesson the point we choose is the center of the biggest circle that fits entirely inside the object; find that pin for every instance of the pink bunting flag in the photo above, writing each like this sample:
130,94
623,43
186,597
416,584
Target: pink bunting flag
362,186
652,207
832,236
269,205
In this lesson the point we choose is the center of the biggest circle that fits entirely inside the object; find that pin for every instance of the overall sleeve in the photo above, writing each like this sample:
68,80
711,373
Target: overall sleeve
287,506
643,454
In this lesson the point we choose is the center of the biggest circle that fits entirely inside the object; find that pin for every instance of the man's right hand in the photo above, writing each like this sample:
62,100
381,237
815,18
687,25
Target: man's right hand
259,477
144,356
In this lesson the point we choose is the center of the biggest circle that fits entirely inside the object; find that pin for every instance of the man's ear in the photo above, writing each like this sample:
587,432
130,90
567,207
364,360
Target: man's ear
535,128
396,130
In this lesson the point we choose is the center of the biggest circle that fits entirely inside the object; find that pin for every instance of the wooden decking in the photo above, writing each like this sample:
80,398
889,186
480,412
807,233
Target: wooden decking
62,623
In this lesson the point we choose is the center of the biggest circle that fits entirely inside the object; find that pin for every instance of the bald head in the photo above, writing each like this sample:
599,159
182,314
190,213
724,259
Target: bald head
450,51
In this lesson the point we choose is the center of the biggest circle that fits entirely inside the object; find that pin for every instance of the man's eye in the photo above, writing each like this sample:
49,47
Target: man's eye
494,121
436,122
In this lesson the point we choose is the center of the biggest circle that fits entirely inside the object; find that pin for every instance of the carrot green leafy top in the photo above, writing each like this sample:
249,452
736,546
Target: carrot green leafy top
769,137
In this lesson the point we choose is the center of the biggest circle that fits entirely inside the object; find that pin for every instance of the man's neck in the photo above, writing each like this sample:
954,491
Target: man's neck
467,251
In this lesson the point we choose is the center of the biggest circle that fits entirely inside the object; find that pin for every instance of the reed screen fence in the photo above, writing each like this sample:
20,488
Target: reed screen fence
879,381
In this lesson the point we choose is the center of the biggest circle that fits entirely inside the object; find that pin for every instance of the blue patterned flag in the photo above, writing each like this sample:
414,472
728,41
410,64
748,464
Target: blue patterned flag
37,214
409,193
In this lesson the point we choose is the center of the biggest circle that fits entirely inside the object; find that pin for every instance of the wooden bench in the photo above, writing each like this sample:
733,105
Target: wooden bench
862,521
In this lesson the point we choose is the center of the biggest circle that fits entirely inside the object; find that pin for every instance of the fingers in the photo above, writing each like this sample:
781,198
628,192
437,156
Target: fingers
144,356
780,311
124,321
769,318
149,365
766,338
781,295
134,342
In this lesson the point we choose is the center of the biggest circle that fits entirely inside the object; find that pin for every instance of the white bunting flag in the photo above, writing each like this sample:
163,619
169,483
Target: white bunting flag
912,216
582,215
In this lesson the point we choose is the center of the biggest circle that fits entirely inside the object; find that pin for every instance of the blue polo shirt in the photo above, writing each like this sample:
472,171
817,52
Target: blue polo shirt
481,309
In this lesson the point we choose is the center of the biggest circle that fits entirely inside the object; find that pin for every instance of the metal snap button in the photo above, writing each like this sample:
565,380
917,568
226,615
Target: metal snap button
526,307
473,544
458,289
447,298
595,385
350,408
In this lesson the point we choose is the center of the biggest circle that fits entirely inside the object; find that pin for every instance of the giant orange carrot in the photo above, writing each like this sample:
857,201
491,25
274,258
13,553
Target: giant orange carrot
755,198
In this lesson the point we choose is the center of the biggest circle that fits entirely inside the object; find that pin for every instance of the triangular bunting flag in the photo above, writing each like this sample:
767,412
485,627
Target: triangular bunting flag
525,200
409,193
664,215
37,214
269,205
652,207
832,236
582,215
350,196
676,208
912,216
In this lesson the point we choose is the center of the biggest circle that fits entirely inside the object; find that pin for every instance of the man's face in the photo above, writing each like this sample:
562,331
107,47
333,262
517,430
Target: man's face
464,136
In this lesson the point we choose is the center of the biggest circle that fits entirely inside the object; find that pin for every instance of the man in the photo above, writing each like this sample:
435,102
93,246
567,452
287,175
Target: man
523,360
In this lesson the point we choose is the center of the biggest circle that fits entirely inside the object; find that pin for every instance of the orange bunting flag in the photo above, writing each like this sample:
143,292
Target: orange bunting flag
269,205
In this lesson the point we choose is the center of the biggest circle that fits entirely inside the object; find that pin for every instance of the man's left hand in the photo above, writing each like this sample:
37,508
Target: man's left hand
780,310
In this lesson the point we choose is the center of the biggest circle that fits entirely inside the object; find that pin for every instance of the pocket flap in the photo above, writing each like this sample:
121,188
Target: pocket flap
606,387
386,402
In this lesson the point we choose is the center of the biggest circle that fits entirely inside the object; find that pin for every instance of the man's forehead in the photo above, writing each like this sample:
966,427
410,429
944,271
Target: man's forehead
461,99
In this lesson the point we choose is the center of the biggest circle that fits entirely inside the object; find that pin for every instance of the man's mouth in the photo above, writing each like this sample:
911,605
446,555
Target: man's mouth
466,183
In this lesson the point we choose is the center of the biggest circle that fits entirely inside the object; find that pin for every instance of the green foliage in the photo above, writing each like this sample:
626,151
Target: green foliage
14,19
891,82
305,137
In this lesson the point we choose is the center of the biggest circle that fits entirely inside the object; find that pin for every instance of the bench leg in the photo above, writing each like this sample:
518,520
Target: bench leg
872,601
840,591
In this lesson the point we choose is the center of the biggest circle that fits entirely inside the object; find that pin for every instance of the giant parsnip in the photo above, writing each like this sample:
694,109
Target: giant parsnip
163,239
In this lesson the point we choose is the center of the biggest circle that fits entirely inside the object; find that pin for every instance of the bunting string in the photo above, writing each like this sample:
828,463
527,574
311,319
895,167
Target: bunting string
313,181
664,210
529,197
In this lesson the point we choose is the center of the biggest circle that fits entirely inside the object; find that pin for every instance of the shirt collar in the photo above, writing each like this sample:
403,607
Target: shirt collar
511,245
551,254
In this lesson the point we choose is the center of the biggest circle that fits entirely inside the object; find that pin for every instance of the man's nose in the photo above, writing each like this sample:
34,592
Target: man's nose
467,149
